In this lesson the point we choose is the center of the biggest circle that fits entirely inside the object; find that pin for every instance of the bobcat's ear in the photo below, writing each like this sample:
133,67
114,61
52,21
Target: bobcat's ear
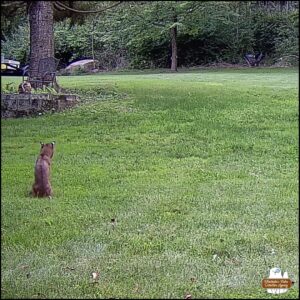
53,143
42,144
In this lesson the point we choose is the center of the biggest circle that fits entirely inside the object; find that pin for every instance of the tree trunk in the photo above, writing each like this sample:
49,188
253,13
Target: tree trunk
174,48
173,32
41,35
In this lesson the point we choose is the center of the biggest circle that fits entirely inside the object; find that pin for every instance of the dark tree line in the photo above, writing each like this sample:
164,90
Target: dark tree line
144,34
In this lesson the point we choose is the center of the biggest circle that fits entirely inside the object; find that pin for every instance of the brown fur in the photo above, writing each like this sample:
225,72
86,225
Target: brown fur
25,87
41,186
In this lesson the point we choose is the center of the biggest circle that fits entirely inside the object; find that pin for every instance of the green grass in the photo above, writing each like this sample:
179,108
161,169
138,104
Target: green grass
192,166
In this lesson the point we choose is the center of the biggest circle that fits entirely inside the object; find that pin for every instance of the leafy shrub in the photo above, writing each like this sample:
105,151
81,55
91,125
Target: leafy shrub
16,45
9,88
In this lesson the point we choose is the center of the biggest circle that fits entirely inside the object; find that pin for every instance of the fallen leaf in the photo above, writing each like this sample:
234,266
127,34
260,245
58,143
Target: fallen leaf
215,256
136,288
232,261
69,268
40,295
95,275
24,267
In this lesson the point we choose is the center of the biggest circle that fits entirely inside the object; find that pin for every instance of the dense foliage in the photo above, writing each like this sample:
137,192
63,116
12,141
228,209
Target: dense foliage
137,34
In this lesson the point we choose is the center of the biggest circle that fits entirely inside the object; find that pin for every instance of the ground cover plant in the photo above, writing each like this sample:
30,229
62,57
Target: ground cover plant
164,185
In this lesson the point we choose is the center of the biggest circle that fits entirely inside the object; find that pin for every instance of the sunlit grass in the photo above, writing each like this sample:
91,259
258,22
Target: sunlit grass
199,170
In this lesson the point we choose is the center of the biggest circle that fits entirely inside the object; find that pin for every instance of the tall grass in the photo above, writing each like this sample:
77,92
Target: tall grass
165,184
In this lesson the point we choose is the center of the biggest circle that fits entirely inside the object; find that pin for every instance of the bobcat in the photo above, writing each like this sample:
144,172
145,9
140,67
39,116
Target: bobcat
41,186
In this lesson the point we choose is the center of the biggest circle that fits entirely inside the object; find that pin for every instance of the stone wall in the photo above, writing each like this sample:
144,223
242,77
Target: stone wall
19,105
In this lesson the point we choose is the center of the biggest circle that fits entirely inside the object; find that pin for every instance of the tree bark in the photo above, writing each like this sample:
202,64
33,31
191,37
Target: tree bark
173,32
41,35
174,49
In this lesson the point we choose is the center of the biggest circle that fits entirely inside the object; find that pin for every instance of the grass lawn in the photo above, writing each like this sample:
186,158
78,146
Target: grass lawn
199,170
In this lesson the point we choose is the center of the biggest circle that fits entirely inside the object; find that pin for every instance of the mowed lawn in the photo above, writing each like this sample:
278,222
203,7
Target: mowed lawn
166,184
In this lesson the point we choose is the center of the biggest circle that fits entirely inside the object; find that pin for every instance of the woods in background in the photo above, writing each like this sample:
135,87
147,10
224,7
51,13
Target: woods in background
163,34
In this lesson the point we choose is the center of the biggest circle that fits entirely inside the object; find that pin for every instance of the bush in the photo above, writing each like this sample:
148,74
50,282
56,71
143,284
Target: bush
16,45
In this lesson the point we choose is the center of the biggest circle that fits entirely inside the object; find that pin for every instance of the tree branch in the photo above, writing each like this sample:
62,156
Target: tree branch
57,7
58,3
11,3
142,18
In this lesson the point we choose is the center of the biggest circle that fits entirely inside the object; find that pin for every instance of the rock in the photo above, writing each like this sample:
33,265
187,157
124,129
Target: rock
85,65
20,105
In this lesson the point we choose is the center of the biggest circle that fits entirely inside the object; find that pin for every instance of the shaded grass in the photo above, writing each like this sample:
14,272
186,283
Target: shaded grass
191,166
